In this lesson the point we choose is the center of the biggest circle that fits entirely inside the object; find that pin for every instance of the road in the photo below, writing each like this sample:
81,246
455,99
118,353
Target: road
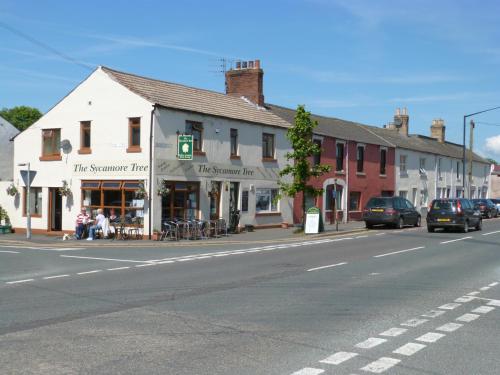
383,301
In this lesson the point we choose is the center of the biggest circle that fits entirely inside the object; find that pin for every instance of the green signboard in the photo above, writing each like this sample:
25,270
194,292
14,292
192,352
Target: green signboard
185,147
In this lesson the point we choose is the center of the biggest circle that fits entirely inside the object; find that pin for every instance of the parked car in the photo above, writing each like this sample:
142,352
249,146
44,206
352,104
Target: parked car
455,213
394,211
487,207
497,203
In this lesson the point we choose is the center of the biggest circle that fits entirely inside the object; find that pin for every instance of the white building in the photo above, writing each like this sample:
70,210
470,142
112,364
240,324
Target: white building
116,131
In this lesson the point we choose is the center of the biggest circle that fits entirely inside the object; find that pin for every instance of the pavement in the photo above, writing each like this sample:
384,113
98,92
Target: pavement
382,301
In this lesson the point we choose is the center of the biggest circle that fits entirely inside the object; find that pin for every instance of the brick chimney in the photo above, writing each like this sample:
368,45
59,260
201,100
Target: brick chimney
401,121
438,130
246,79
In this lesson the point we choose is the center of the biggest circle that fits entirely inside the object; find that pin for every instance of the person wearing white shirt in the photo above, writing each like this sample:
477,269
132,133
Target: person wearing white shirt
99,222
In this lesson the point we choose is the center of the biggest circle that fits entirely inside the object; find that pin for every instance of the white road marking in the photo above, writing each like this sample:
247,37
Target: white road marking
449,306
379,234
494,302
434,313
483,309
54,277
309,371
484,288
465,299
409,349
370,343
146,265
118,268
185,259
487,234
374,274
360,236
19,281
164,262
449,327
458,239
430,337
204,257
399,252
10,252
116,260
493,284
467,318
329,266
393,332
338,358
87,272
381,365
414,322
473,293
221,255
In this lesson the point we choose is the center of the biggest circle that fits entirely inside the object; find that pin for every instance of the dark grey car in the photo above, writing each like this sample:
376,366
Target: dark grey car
394,211
456,213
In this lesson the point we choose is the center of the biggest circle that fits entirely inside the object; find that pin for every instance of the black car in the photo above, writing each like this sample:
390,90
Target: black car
487,207
455,213
394,211
497,203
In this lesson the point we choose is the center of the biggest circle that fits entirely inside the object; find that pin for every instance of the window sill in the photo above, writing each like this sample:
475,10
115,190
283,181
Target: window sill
382,175
340,172
268,214
199,153
84,151
50,158
133,149
269,160
36,216
362,174
235,157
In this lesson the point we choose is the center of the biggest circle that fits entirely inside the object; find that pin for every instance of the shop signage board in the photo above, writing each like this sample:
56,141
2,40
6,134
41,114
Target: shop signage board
110,168
185,147
312,220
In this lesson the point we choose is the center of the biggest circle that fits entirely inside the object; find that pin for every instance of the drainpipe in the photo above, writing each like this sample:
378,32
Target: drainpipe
347,190
150,200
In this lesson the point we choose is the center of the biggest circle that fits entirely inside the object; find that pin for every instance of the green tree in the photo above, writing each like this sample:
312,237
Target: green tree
492,161
21,117
301,171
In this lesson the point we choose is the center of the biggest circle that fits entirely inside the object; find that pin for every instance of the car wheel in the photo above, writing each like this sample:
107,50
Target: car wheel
430,229
465,228
488,215
479,225
418,222
400,223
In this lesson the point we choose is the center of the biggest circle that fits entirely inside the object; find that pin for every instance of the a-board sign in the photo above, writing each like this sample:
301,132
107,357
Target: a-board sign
185,147
312,220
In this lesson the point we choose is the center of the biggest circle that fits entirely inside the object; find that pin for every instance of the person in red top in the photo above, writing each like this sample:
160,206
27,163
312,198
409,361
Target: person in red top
81,220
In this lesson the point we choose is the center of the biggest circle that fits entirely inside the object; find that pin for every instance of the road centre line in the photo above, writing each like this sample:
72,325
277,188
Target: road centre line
399,252
467,318
381,365
55,277
370,343
19,281
338,358
87,272
487,234
455,240
10,252
112,259
409,349
329,266
118,268
309,371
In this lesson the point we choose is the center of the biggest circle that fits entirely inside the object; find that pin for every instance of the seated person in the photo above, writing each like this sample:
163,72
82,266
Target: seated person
112,216
81,220
99,221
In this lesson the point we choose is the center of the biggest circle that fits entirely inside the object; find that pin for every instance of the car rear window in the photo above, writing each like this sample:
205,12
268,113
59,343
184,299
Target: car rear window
443,205
379,202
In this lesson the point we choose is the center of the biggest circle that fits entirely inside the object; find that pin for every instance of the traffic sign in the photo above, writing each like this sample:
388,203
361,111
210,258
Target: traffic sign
185,147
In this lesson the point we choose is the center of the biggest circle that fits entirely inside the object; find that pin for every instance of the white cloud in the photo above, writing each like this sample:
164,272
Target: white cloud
493,144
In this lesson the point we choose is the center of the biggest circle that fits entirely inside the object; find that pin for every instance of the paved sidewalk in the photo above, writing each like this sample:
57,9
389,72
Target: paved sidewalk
258,235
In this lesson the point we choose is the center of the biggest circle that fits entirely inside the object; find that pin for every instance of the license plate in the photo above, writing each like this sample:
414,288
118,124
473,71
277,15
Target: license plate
444,220
377,210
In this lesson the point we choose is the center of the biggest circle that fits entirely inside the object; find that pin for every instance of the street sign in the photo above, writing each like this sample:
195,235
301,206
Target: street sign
185,147
312,220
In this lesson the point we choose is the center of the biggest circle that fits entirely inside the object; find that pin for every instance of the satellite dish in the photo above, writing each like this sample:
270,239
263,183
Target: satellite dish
66,146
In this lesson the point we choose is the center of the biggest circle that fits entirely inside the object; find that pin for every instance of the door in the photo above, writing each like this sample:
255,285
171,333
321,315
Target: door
55,210
215,193
234,193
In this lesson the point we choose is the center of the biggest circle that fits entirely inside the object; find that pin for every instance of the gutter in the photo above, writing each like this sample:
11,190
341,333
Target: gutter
150,192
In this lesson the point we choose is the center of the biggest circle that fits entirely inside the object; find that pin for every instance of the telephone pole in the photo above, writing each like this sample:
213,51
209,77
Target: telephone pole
471,145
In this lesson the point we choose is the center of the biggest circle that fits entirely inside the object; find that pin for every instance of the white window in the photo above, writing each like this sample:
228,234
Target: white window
402,163
403,194
265,200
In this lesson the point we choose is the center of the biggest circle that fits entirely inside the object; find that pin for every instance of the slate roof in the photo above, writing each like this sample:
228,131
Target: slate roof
185,98
353,131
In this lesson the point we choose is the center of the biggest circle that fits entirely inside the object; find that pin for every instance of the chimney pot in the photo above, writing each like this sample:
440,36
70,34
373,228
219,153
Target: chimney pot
438,130
246,80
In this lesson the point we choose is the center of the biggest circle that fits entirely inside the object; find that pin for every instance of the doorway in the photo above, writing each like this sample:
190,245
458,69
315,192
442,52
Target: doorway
215,192
55,210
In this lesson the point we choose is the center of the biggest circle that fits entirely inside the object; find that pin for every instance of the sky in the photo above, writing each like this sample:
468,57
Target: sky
356,60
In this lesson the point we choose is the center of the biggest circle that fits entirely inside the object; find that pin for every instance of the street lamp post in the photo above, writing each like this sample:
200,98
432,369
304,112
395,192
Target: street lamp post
464,148
28,202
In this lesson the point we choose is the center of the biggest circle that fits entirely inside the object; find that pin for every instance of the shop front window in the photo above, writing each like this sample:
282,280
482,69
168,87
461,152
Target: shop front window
181,200
265,200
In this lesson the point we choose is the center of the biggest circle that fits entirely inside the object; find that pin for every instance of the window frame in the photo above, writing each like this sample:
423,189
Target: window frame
316,158
55,147
383,166
358,206
234,148
85,125
25,196
341,157
134,123
360,169
403,159
269,210
265,138
198,127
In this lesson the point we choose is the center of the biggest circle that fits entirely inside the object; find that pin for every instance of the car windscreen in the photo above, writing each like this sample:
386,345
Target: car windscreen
379,202
443,205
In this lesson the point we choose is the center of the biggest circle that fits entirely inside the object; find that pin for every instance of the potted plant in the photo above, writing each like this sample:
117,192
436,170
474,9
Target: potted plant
6,227
141,192
156,235
65,190
162,190
12,190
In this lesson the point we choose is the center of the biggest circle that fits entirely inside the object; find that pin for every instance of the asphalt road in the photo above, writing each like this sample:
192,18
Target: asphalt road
384,301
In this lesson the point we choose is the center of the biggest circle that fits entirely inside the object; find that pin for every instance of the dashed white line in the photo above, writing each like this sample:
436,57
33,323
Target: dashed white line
88,272
487,234
483,309
370,343
484,288
449,306
473,293
434,313
118,268
399,252
338,358
381,365
467,318
10,252
494,302
455,240
112,259
309,371
449,327
204,257
329,266
465,299
55,277
185,259
493,284
430,337
409,349
414,322
19,281
393,332
360,236
163,262
379,234
146,265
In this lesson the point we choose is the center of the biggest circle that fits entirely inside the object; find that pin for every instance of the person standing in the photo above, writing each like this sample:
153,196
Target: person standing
81,220
99,222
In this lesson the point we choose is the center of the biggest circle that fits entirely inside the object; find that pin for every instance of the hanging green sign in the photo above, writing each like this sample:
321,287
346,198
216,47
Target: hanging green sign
185,147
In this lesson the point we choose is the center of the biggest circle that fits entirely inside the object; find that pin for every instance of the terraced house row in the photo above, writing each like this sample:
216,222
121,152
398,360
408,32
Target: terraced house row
116,133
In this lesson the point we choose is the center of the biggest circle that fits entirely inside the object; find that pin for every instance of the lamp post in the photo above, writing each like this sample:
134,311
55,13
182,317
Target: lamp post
464,148
28,202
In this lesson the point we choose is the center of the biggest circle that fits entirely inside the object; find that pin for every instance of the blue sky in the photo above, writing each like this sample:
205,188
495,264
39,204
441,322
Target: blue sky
356,60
